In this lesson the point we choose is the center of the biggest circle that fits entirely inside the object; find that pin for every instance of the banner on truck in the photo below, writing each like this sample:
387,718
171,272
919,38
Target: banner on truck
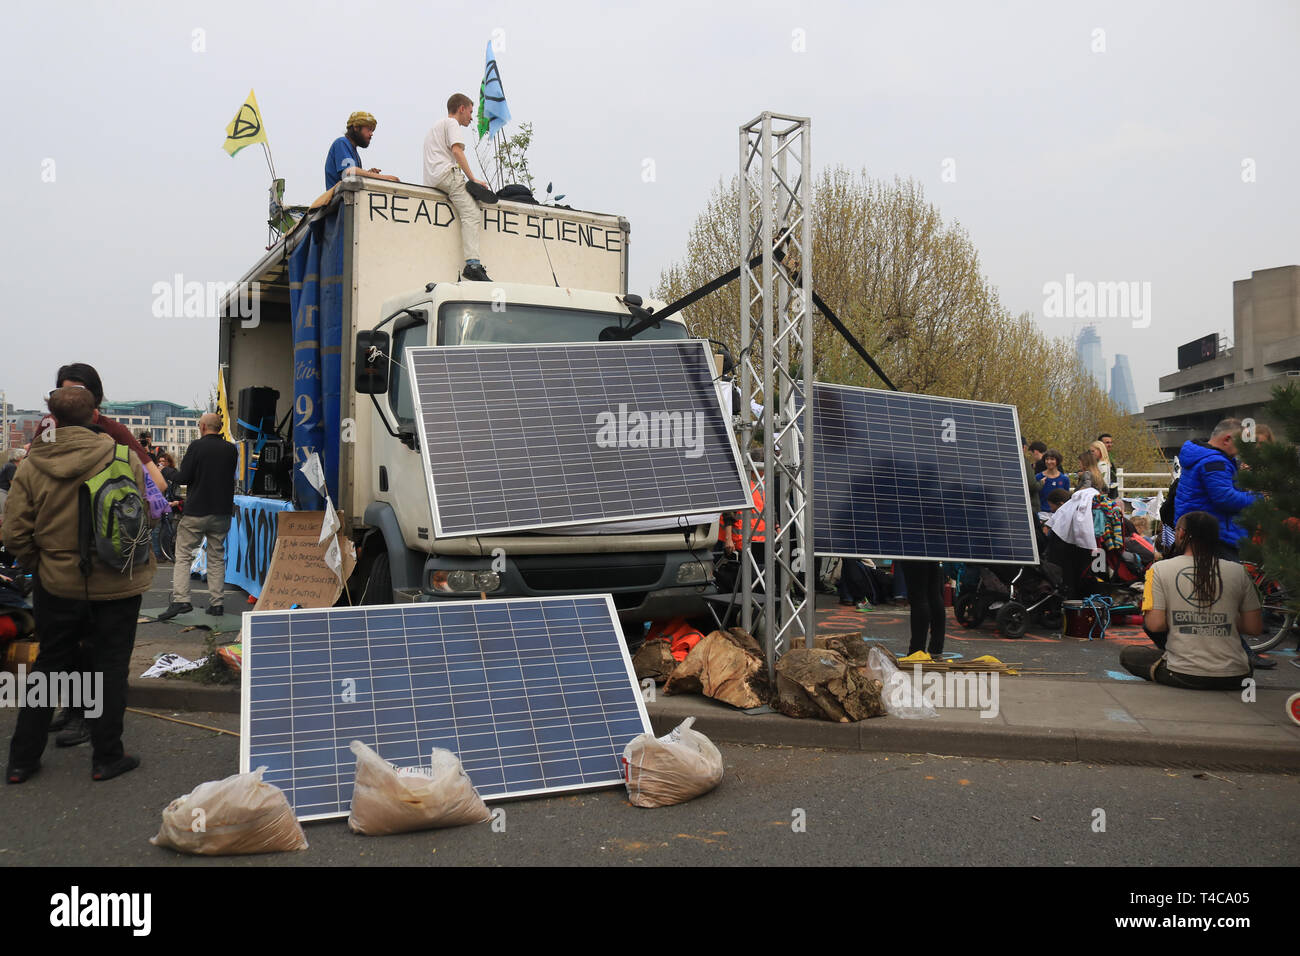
250,543
316,302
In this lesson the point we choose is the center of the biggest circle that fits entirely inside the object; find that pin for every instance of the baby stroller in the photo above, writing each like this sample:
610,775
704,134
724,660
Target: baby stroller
1015,595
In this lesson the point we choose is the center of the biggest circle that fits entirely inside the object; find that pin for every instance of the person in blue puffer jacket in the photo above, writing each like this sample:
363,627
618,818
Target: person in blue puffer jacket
1208,483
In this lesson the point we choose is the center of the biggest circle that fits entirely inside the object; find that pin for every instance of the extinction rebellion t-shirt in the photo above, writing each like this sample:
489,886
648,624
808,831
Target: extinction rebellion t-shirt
1203,641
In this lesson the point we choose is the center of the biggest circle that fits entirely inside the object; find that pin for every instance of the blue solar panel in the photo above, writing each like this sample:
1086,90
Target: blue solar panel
533,694
897,475
518,437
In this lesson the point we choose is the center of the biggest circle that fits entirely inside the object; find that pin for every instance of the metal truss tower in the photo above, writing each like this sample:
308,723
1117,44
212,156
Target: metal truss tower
776,339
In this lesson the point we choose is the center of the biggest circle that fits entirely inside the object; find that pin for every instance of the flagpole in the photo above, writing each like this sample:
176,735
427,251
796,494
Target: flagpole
267,150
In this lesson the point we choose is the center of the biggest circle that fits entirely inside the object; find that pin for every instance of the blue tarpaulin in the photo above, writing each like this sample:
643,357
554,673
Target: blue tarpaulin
250,543
316,302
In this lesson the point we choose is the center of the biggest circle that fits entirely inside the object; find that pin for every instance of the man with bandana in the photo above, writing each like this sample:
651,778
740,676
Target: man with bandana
343,157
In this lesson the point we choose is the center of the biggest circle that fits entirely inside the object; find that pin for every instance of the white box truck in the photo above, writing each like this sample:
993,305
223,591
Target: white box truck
389,258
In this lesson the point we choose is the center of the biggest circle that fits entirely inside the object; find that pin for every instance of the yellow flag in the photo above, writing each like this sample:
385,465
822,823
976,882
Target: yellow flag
223,406
246,128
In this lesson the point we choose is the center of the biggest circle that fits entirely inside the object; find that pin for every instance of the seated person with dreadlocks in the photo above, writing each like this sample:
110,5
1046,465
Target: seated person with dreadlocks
1199,607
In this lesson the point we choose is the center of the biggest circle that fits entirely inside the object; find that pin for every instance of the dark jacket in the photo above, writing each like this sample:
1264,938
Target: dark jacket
208,472
1208,483
41,519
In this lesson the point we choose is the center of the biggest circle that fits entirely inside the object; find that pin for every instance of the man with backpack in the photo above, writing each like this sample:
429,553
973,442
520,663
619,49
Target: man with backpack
76,517
208,472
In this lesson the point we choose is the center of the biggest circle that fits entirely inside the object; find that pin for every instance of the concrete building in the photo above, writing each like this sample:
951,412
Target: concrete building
1214,382
1088,347
1121,385
19,426
172,426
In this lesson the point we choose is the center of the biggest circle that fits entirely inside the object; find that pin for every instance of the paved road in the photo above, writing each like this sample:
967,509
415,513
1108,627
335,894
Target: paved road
858,809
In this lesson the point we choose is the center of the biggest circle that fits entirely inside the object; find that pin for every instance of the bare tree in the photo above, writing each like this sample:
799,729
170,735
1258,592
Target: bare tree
910,288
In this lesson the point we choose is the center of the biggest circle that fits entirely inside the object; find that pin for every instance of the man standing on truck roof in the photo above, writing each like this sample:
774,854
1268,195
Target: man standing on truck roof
343,157
446,168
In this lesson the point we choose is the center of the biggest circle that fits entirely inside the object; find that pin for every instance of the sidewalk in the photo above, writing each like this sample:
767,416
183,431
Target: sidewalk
1038,719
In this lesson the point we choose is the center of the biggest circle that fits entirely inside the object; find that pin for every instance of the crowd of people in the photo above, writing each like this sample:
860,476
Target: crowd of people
85,605
1095,467
1198,601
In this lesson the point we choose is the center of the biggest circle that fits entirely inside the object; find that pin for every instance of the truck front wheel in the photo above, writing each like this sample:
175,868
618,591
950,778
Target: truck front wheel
379,583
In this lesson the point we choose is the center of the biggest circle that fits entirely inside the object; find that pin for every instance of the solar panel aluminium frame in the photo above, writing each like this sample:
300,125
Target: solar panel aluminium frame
1024,479
249,663
746,502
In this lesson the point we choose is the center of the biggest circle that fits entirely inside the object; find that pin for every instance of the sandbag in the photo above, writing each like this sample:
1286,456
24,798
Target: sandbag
240,814
897,692
387,799
661,771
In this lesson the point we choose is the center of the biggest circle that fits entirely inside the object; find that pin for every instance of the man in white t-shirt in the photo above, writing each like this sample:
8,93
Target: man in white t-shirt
446,168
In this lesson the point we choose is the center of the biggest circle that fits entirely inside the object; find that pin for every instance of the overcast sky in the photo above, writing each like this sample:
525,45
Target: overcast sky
1139,142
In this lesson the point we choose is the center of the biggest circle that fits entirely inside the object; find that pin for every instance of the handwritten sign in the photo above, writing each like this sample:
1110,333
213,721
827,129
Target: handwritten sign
300,573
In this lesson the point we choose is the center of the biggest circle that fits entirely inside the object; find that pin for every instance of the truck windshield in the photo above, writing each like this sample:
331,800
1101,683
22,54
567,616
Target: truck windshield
474,323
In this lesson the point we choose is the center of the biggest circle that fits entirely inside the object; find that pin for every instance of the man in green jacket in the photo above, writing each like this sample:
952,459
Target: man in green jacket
41,530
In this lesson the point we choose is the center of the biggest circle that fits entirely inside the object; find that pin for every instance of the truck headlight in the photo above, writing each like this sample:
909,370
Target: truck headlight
465,582
693,572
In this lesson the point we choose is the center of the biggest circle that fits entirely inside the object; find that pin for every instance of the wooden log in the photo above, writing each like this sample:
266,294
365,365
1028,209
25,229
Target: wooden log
727,666
654,659
823,683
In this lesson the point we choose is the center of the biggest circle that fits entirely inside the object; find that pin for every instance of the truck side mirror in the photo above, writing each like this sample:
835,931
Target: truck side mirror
373,349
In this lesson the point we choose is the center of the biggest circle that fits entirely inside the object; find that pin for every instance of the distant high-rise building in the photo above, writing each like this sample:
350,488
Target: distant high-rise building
1121,385
1088,347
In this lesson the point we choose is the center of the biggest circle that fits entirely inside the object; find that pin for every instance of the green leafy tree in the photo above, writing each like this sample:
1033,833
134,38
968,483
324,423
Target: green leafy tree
1273,467
514,158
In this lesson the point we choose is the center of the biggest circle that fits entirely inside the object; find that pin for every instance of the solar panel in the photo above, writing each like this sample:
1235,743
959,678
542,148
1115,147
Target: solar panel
897,475
535,695
517,437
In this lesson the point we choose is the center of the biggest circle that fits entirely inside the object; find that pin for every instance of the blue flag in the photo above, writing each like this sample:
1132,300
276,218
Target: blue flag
493,114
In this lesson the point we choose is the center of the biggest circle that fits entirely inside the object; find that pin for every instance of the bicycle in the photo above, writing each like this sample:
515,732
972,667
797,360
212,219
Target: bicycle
1280,619
167,526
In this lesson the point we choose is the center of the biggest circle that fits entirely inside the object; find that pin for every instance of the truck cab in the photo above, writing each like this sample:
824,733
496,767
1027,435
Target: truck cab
654,568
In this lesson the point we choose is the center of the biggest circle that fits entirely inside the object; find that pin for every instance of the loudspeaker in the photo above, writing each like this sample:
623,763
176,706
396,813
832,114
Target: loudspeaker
257,407
274,475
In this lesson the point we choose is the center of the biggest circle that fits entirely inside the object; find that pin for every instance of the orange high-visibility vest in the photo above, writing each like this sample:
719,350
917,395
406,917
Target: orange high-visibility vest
681,637
756,516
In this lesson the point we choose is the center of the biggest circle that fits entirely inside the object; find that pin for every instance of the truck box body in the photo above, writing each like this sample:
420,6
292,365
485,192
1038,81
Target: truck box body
378,249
